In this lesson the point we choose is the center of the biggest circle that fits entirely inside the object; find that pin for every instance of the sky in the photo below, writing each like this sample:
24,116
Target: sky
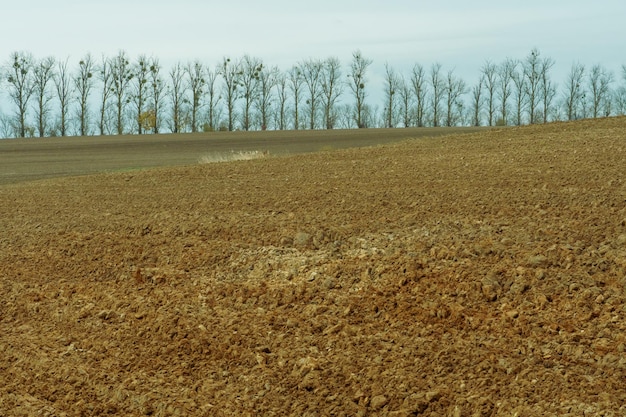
459,34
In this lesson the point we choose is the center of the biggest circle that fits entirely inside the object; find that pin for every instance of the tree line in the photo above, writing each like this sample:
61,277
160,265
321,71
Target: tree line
120,95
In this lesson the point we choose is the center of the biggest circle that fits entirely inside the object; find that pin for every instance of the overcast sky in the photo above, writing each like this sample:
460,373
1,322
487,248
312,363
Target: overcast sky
460,34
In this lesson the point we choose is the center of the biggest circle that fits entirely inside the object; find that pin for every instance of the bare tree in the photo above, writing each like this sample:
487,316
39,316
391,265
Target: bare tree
19,74
506,71
420,89
312,77
620,95
406,101
249,81
156,91
332,87
532,72
83,83
548,88
54,101
140,85
231,74
358,80
6,128
455,88
177,93
197,83
574,93
620,101
392,83
121,76
106,77
599,88
490,82
521,94
477,100
282,97
437,87
213,96
345,116
370,116
267,81
43,75
63,84
295,84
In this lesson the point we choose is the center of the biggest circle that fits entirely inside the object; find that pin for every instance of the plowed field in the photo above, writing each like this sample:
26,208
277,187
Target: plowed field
38,158
471,275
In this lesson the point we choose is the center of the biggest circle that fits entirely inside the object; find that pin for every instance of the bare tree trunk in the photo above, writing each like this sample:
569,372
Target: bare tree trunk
295,84
83,82
213,96
141,71
548,90
532,73
266,83
391,87
405,101
21,86
454,88
437,85
282,96
358,70
250,70
107,80
311,75
231,73
490,74
418,81
197,84
43,73
62,82
332,88
521,95
574,93
505,76
157,91
177,96
599,87
121,75
477,101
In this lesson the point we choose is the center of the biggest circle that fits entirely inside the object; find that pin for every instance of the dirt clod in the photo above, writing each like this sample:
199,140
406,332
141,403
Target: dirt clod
378,402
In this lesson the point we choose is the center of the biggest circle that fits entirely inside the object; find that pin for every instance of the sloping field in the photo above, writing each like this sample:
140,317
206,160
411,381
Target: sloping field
471,275
33,159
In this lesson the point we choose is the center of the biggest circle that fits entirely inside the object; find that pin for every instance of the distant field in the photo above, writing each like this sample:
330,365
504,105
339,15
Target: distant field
32,159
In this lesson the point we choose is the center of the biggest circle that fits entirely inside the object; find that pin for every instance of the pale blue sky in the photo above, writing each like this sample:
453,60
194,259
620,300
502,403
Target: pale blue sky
459,34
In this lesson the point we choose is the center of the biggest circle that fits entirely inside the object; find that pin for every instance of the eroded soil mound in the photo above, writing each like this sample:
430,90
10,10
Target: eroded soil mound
459,276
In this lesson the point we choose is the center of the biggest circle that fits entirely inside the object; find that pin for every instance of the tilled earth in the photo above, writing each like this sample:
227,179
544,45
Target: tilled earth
474,275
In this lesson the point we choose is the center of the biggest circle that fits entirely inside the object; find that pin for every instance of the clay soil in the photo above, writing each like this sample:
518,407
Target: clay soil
472,275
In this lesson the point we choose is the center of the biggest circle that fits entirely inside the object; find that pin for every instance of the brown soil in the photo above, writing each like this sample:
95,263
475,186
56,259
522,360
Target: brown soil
455,276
